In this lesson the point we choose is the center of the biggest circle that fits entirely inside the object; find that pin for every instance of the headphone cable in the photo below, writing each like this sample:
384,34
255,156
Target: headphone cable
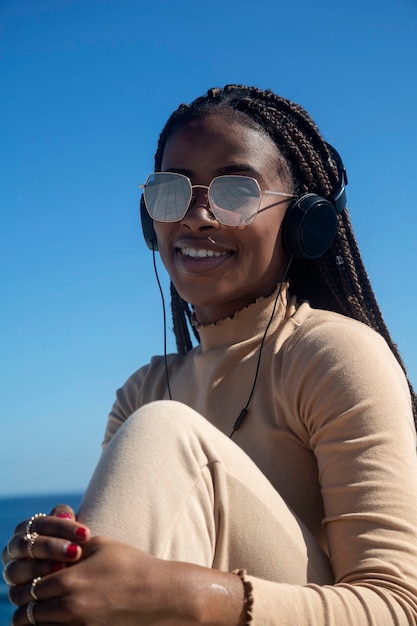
165,320
242,415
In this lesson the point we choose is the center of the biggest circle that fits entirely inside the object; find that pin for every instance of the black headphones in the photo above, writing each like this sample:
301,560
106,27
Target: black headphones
309,225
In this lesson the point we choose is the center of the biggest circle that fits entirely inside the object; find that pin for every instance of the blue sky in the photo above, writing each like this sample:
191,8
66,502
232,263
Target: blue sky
86,87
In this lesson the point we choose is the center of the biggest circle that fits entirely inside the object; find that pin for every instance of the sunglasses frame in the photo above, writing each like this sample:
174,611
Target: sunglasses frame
191,187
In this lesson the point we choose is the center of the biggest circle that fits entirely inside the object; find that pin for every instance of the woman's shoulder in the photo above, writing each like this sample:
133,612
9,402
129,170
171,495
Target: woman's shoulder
324,342
320,325
325,345
146,384
332,365
155,371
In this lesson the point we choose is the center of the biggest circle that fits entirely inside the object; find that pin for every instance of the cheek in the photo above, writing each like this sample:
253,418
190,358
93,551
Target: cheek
269,232
270,249
167,252
275,223
163,233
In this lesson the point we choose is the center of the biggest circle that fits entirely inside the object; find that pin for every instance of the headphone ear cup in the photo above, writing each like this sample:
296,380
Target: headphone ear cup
147,227
309,227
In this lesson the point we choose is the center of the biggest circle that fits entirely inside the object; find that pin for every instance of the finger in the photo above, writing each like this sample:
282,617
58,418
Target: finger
18,595
36,546
38,590
64,511
6,554
29,593
20,572
8,578
64,528
21,595
50,612
27,525
56,526
56,530
26,615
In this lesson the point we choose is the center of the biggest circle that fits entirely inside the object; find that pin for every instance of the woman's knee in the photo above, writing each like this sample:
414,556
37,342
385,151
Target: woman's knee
162,416
159,429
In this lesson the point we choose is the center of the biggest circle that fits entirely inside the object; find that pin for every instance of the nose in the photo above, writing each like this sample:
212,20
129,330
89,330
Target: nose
199,216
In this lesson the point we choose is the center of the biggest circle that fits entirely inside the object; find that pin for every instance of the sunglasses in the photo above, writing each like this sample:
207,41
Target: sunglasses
233,200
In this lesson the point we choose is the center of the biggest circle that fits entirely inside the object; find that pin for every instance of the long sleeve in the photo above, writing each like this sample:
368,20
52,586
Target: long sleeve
350,404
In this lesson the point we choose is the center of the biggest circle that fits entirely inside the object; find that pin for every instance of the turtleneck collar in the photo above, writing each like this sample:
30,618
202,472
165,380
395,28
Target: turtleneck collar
248,324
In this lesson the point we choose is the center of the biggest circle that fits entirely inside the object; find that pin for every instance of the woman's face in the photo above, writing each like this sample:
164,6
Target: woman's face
229,267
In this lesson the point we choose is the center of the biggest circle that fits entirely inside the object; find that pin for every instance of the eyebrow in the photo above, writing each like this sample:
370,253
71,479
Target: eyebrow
239,167
221,171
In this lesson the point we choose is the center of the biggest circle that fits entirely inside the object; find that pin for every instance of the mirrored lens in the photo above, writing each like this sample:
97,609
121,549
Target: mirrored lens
234,200
167,196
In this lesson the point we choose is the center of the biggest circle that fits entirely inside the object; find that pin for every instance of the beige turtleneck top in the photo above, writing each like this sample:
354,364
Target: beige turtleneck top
330,424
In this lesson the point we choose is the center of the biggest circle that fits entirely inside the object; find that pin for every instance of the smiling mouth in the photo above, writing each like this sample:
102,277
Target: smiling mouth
201,252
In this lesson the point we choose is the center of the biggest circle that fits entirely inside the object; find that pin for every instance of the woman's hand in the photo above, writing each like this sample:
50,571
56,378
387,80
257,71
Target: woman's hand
43,544
114,584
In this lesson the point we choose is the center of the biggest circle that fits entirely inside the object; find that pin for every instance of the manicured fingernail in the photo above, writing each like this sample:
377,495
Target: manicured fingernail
63,515
57,566
81,534
71,551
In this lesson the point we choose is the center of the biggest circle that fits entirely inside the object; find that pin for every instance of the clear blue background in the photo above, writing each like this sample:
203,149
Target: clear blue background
86,86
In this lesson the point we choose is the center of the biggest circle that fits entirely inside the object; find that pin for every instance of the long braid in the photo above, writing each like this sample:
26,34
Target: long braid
181,314
337,281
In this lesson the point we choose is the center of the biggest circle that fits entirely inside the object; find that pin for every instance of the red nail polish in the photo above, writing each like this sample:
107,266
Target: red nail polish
81,534
71,551
63,515
57,566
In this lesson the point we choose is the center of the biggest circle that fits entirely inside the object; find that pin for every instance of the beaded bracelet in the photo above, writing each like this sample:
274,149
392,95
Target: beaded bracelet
247,614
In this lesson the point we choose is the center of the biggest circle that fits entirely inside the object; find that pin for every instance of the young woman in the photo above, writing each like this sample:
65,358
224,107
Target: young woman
268,475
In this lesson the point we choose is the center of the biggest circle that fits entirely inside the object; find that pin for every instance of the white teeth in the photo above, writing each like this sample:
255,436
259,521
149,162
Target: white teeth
200,253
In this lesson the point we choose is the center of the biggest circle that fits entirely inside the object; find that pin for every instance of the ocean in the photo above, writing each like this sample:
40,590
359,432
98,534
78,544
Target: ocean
12,511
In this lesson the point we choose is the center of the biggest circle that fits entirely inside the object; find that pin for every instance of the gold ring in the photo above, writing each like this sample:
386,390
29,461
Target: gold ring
30,522
29,613
5,575
30,542
33,587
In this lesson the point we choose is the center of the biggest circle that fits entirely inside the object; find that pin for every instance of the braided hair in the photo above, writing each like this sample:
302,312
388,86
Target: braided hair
337,281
